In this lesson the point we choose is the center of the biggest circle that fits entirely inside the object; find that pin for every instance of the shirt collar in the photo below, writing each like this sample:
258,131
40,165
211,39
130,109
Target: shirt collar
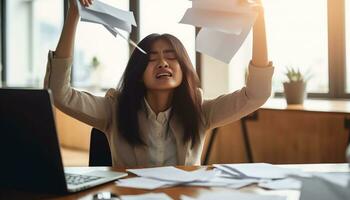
162,117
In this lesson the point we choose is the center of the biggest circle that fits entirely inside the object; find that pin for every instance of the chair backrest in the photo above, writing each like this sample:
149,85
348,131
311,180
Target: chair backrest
100,153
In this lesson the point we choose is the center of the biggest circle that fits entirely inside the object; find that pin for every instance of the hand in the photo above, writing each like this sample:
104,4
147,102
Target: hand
73,4
254,4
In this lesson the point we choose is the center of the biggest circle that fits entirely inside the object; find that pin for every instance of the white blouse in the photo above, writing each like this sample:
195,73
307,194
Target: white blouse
160,139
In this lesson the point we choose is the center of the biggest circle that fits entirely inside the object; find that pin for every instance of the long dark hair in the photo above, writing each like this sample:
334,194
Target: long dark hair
186,103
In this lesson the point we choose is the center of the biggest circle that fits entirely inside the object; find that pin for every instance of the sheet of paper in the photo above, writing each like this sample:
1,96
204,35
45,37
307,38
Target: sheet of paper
321,189
226,173
260,170
171,174
147,196
232,6
110,17
232,195
225,25
116,13
143,183
282,184
117,19
220,21
220,45
225,182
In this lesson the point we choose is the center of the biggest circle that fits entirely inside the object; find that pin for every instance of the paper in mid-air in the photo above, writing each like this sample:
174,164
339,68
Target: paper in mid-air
225,25
110,17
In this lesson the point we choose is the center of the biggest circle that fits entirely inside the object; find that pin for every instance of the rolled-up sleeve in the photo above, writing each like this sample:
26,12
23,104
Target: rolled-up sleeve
231,107
92,110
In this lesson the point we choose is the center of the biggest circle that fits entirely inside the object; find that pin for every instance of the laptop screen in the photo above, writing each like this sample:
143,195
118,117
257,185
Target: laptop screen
29,149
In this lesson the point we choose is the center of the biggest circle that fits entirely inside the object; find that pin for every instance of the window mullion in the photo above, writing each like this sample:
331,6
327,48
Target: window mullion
336,42
3,43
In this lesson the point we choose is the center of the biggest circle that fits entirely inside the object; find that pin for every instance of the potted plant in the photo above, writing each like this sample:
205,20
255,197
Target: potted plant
95,66
295,87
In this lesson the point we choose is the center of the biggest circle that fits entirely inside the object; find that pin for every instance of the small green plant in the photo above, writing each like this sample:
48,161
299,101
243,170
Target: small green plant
294,75
95,62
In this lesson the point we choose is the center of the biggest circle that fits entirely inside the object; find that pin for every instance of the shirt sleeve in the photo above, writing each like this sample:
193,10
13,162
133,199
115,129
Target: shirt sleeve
231,107
92,110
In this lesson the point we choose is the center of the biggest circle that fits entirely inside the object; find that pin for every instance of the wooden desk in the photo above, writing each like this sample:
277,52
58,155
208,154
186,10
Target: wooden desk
175,192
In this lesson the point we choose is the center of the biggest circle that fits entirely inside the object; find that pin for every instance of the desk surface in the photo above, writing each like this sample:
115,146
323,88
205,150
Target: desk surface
311,105
175,192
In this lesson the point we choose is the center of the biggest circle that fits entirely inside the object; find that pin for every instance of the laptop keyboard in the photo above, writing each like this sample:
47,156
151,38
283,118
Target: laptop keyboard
77,179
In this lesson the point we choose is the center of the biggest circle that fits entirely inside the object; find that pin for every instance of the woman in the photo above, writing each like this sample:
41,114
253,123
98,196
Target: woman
156,116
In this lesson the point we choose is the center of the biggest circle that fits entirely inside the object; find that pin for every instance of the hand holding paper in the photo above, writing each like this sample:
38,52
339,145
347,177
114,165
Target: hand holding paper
225,25
110,17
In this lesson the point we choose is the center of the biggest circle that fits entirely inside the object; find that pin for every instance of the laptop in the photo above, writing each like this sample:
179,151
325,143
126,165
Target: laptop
29,148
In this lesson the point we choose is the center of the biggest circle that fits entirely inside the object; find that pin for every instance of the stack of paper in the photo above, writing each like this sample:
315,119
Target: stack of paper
225,25
110,17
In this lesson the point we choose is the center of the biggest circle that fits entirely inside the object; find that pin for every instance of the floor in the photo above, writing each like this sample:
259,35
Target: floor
74,157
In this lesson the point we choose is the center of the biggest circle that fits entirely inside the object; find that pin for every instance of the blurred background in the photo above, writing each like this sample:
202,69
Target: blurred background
312,36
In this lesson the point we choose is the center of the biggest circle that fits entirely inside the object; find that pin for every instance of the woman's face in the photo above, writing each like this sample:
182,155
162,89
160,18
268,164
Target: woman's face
163,71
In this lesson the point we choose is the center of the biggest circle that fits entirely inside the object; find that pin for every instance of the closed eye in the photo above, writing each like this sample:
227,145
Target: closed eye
170,55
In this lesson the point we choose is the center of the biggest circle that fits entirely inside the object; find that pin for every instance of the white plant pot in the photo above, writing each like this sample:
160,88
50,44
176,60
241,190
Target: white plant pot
295,92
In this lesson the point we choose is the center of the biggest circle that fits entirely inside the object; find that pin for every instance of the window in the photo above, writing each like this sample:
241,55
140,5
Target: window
112,54
31,31
162,16
296,38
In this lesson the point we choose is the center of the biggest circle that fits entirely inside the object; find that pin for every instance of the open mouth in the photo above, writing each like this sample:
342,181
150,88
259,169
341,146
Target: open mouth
163,75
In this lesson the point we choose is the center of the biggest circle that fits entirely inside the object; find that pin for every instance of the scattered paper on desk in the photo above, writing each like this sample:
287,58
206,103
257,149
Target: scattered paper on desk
232,195
172,174
259,170
282,184
143,183
225,25
147,196
224,182
110,17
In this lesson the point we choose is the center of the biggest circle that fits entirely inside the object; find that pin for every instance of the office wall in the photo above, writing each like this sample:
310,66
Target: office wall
215,77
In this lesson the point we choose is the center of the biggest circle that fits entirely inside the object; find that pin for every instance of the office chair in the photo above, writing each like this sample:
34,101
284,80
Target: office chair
100,154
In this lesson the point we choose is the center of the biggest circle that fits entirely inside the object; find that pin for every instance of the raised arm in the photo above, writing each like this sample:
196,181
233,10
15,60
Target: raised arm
231,107
65,46
260,55
93,110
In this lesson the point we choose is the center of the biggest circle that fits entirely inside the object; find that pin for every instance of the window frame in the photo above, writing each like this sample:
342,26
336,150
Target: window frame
3,42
